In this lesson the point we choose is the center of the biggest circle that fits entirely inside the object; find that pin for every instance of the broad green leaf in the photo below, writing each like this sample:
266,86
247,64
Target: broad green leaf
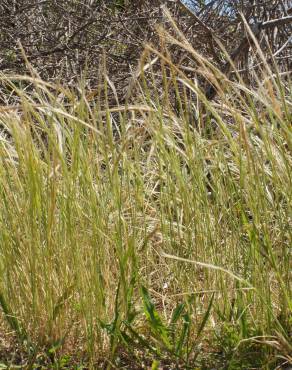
157,326
206,316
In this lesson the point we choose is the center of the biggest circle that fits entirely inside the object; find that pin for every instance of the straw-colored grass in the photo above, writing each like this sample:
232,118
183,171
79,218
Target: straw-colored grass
147,235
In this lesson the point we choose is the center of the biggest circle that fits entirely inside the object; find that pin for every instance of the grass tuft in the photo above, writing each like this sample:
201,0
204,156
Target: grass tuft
152,234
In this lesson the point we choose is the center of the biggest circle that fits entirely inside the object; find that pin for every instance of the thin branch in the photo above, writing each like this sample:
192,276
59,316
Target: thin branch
244,46
276,22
